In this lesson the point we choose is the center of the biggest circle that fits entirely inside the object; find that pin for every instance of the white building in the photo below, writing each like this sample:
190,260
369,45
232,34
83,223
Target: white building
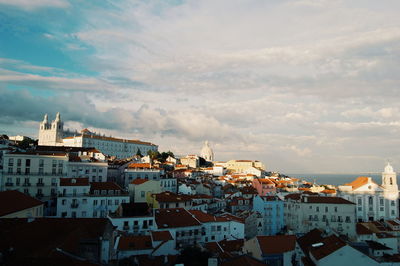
141,171
52,134
374,202
206,152
305,212
80,199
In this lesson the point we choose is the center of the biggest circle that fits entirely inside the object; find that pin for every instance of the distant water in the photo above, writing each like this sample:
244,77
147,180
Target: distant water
336,179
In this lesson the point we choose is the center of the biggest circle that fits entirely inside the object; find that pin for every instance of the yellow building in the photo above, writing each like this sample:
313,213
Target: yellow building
15,204
141,189
241,166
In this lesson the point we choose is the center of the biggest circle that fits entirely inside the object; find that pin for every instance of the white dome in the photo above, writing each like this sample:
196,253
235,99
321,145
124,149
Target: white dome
206,152
389,168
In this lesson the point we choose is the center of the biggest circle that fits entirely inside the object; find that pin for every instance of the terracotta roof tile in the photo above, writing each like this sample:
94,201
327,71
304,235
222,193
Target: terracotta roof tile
276,244
359,182
175,217
161,235
135,243
14,201
104,186
139,181
330,245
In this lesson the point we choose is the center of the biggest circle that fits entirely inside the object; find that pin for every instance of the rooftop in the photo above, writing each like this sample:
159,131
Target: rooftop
167,218
276,244
13,201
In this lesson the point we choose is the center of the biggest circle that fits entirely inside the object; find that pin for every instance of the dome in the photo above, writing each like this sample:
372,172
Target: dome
389,168
206,152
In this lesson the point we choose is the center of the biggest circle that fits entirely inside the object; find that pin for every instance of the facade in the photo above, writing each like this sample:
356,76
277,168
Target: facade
15,204
305,212
52,134
133,218
374,202
139,189
87,167
167,200
264,186
271,209
141,171
241,166
192,161
80,199
34,174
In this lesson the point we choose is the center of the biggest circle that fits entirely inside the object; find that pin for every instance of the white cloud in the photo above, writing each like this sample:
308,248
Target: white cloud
36,4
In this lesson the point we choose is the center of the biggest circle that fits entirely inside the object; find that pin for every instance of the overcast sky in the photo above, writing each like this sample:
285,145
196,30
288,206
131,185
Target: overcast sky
304,86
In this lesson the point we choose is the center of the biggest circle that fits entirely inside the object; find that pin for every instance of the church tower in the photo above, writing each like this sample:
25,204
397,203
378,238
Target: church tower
207,153
389,182
51,134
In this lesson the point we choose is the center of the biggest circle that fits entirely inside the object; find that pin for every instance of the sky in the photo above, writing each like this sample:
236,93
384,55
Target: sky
307,86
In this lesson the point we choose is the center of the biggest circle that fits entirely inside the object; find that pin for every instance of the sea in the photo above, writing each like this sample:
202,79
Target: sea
337,179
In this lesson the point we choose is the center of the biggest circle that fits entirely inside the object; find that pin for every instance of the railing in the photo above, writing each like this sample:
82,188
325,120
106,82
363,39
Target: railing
9,184
40,184
54,184
74,205
37,174
39,195
26,184
126,227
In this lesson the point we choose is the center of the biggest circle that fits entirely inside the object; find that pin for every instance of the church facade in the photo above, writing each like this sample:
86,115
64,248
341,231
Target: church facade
374,202
52,134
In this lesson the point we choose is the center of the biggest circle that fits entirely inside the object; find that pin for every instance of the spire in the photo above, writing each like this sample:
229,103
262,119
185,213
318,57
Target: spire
45,119
389,169
58,118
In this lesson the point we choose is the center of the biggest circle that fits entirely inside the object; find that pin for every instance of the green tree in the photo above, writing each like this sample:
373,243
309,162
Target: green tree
139,153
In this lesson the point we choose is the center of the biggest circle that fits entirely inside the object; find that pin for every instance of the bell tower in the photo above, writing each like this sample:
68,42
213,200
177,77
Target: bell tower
51,134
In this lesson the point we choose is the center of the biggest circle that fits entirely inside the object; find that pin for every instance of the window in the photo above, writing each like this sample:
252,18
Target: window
109,202
54,163
326,209
381,202
317,209
142,194
116,202
103,202
83,214
10,170
393,203
150,222
95,214
212,228
19,162
359,201
11,162
84,201
41,163
94,202
63,202
370,200
348,219
218,228
94,170
335,209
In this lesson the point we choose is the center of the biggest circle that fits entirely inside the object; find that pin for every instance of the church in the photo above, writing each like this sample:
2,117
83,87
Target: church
373,202
53,134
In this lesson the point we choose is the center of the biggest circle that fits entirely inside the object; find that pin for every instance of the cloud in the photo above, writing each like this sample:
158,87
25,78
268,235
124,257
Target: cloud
36,4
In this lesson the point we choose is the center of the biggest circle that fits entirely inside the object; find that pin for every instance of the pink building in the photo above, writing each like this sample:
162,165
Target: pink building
264,186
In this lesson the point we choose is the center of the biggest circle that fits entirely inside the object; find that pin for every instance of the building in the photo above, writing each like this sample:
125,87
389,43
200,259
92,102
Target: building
271,209
241,166
34,173
141,171
133,218
86,166
374,202
80,199
192,161
141,189
206,152
52,134
167,200
305,212
264,186
15,204
272,250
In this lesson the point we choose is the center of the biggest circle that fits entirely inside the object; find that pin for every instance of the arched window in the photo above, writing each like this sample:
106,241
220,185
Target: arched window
370,200
390,181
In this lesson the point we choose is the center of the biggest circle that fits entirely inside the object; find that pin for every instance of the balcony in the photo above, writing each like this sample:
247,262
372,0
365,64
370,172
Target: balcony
53,184
74,205
41,184
37,174
9,184
26,184
126,227
39,195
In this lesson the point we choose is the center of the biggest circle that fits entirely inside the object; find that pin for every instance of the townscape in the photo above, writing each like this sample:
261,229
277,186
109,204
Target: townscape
83,198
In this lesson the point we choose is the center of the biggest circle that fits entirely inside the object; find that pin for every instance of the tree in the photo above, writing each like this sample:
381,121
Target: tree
139,153
154,154
4,136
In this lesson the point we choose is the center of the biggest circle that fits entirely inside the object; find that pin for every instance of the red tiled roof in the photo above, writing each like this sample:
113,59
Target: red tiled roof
161,235
330,245
13,201
139,165
363,230
206,218
175,217
242,261
276,244
326,200
359,182
81,181
117,139
139,181
135,243
328,191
